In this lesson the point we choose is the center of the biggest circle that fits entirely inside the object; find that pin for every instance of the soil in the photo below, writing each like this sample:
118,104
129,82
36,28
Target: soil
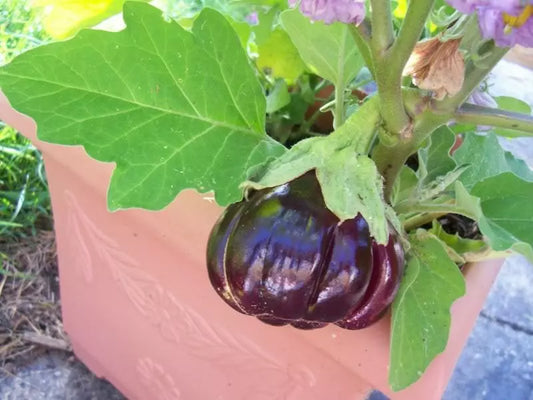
30,309
464,226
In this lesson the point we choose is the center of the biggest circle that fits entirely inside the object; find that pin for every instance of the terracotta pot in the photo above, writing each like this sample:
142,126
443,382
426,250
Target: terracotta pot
139,309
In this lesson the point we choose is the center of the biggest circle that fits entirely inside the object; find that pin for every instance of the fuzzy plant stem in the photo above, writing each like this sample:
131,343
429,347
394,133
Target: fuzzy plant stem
428,115
478,115
339,106
391,55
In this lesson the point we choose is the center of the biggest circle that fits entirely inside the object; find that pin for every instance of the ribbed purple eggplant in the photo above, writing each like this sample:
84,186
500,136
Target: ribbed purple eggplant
283,257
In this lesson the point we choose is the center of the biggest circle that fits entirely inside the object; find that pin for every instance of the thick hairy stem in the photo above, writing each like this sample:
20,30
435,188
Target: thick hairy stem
339,106
477,115
390,58
428,115
390,159
382,32
409,34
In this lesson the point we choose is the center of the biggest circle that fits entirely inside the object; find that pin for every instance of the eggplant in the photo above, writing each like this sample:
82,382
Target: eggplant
282,256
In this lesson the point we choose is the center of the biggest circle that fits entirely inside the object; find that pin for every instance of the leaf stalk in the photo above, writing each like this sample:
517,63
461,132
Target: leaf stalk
478,115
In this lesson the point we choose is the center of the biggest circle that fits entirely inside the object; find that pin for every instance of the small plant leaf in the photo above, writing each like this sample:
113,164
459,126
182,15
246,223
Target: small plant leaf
405,185
278,97
434,159
515,105
173,109
421,310
279,57
457,243
329,50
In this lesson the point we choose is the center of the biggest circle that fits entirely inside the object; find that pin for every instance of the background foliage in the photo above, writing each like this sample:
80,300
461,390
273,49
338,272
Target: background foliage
24,200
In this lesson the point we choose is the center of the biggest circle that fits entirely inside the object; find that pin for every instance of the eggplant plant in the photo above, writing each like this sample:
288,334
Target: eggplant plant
342,135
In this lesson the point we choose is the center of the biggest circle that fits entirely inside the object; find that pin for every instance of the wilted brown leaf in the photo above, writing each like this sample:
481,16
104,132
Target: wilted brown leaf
437,66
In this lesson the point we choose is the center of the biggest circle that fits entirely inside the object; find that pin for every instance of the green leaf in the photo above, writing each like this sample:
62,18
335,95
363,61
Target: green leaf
421,309
511,104
351,184
279,57
434,159
487,158
329,50
457,243
439,186
507,207
405,185
173,109
263,29
278,97
466,204
242,29
349,180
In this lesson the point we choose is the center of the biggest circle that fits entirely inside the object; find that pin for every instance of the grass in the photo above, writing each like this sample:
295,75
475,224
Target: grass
30,313
24,199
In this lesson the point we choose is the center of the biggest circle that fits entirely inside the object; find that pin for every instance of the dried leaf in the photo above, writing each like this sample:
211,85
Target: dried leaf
437,66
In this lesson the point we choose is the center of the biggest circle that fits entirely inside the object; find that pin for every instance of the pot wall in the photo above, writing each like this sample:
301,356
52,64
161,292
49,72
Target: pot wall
139,309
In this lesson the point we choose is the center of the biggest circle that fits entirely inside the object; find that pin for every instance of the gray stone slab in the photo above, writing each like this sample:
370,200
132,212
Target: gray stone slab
511,297
497,364
56,376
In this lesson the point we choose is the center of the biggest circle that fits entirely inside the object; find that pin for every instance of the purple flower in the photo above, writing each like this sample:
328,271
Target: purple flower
252,18
329,11
504,29
512,7
508,22
480,97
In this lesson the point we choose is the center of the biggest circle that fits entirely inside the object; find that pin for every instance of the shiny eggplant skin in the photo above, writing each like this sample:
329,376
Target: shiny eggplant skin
283,257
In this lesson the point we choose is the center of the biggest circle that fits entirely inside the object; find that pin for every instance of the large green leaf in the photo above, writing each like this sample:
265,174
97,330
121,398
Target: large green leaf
329,50
507,212
173,109
487,158
349,180
421,310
